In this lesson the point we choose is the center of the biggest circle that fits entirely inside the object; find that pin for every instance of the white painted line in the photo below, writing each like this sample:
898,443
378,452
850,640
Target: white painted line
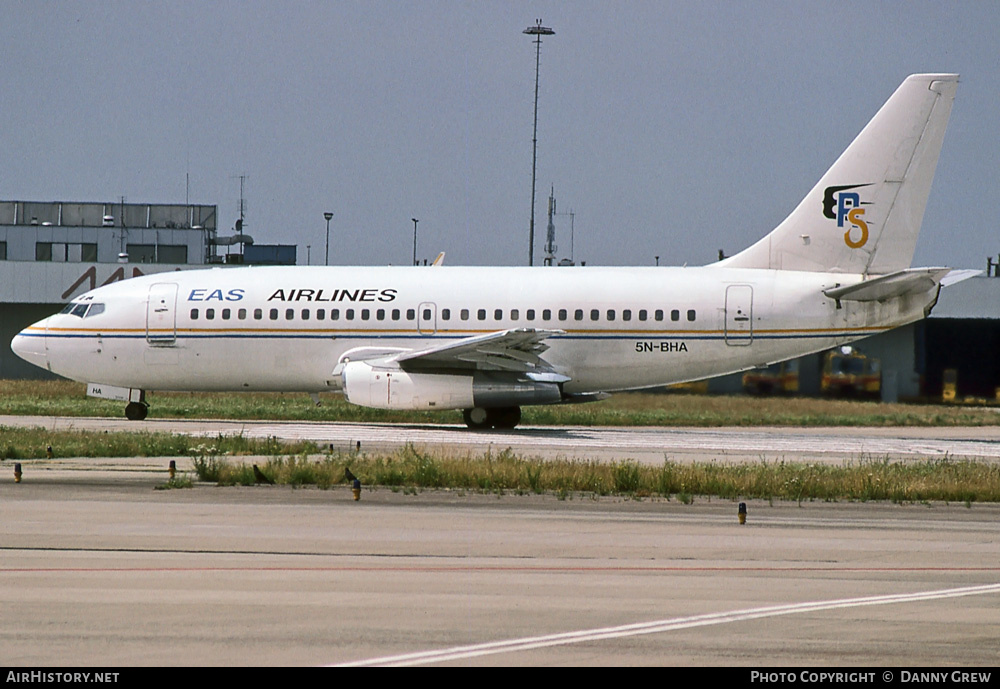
655,627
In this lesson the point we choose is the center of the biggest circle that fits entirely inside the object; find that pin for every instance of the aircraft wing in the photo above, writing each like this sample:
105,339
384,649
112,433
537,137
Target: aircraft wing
518,349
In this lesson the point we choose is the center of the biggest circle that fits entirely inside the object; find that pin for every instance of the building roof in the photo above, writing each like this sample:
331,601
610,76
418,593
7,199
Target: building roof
977,297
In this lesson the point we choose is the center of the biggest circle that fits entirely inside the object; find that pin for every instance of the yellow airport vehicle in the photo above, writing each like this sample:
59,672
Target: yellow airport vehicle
849,373
781,378
949,387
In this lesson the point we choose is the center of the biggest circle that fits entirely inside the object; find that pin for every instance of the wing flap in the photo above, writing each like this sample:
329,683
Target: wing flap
518,349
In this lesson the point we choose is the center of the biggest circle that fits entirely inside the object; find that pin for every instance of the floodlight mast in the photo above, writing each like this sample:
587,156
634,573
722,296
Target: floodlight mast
537,31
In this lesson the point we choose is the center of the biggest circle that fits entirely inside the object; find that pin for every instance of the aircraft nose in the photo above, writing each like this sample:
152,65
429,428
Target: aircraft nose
29,344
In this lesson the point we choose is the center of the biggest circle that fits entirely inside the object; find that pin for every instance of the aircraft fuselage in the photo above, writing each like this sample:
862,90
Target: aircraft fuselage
279,329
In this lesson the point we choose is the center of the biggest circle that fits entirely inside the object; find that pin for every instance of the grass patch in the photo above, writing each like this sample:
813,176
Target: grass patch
66,398
31,443
176,482
409,470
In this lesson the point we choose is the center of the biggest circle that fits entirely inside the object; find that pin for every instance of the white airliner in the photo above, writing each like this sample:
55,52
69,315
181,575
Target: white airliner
490,340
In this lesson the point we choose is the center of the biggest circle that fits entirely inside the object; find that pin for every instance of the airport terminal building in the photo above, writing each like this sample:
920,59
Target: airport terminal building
51,252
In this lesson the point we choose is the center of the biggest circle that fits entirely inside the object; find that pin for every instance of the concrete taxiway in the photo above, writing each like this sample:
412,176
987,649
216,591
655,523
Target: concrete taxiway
101,569
644,444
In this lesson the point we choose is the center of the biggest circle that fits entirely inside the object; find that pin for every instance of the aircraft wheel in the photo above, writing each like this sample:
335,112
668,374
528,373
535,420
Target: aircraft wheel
136,411
506,417
476,418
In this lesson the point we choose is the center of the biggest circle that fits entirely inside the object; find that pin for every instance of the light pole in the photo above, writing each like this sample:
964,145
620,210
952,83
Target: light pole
329,216
415,221
537,31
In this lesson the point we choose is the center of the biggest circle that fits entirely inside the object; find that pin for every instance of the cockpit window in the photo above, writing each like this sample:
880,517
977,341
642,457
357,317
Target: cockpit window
81,310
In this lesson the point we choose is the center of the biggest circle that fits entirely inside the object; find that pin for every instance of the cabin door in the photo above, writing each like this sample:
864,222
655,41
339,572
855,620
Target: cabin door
161,314
739,315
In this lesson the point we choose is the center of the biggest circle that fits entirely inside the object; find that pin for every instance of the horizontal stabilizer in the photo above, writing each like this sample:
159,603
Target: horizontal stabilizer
903,282
959,276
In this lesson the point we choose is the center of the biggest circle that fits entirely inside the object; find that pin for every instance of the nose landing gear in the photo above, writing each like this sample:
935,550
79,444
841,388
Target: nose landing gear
136,411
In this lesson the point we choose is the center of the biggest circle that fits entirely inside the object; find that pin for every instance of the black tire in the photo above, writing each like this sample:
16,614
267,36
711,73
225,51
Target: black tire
477,418
505,418
136,411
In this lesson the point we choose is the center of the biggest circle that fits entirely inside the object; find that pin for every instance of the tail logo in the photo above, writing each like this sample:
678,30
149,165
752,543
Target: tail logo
844,206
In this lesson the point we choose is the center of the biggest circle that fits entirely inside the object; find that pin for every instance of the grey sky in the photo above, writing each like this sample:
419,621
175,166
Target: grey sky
670,129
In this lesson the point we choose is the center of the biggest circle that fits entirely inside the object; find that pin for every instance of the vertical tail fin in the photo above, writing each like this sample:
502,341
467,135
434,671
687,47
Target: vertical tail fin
864,215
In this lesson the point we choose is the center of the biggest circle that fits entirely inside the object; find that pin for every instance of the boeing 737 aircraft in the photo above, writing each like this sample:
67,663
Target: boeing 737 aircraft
490,340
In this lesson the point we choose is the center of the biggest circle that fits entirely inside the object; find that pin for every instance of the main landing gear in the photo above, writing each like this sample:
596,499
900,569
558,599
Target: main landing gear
501,418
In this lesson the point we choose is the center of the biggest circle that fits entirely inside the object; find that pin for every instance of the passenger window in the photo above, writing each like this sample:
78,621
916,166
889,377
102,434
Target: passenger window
273,314
289,314
514,313
380,314
659,314
210,314
546,314
691,315
258,314
194,314
349,314
465,314
675,315
427,314
411,314
578,314
530,315
305,314
627,314
365,314
395,314
320,314
242,314
445,314
498,314
334,314
225,314
611,314
563,314
595,314
642,314
481,314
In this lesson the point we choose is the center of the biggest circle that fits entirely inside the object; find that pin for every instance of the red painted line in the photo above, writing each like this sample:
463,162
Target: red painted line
458,569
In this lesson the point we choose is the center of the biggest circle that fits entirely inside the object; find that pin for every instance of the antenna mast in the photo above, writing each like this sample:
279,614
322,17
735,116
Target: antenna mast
537,31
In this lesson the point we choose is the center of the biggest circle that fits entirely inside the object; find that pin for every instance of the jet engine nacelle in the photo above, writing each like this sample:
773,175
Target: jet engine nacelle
386,386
